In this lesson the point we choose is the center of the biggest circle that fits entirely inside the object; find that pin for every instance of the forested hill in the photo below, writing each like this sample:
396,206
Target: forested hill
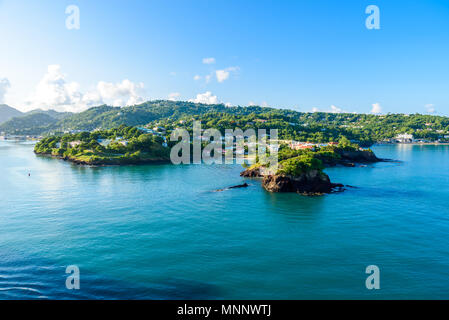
6,113
34,122
317,127
105,117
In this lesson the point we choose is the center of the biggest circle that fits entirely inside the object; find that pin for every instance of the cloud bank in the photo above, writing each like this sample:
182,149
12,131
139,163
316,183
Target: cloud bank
54,92
206,98
376,108
209,60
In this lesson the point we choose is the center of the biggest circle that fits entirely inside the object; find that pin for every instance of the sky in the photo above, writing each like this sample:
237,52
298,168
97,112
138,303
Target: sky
303,55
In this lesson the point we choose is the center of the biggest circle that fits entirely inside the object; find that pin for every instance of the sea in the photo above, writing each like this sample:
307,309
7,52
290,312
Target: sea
165,232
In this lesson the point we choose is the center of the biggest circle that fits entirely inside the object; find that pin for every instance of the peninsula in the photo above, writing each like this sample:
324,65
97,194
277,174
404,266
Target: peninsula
120,146
301,171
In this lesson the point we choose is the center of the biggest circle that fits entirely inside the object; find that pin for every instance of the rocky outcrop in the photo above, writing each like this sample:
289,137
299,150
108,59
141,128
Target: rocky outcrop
312,183
359,156
239,186
245,185
349,158
251,173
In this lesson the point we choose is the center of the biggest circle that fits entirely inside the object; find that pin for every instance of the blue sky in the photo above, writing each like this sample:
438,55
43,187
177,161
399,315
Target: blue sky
303,55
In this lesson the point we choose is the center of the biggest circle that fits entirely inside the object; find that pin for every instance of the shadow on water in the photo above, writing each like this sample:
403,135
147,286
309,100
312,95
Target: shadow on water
295,206
35,278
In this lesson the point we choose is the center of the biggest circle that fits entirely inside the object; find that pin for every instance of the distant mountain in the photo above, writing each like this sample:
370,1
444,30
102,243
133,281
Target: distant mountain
52,113
300,126
107,117
6,113
33,122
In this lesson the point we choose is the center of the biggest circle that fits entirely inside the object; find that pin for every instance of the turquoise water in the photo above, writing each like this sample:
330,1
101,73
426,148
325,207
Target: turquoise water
160,232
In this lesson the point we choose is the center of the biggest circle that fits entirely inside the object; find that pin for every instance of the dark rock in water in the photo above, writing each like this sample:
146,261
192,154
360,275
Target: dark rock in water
359,156
234,187
350,158
239,186
311,183
251,173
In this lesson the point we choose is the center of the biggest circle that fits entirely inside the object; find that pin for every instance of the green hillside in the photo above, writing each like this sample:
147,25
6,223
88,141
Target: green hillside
6,113
301,126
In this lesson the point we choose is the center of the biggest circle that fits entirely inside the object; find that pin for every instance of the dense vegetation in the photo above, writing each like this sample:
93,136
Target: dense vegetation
320,127
6,113
299,165
297,162
33,123
125,145
314,127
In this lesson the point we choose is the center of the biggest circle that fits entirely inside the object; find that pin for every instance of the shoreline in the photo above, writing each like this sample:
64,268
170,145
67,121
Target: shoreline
84,163
413,144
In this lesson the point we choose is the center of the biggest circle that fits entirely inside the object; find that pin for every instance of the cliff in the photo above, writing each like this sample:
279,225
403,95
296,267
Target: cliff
348,158
313,182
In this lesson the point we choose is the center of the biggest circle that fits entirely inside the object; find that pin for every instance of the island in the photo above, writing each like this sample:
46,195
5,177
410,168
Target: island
300,168
120,146
301,171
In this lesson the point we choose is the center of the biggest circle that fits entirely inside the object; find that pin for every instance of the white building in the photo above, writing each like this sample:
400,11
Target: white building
404,138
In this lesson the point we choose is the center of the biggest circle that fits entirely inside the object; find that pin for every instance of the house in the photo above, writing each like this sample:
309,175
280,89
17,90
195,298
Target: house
404,138
159,129
104,142
146,130
295,145
73,144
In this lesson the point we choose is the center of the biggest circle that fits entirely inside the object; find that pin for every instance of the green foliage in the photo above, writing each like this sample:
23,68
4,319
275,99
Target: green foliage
345,144
300,165
128,145
316,127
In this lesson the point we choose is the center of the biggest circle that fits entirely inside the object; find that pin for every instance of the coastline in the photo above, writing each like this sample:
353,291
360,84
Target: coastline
104,164
413,144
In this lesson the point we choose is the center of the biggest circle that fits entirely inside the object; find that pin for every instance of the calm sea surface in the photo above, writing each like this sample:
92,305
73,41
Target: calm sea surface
160,232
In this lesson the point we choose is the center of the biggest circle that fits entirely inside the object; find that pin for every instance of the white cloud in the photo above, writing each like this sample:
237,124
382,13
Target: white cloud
123,93
224,74
54,92
209,60
208,77
174,96
335,109
430,108
4,87
206,98
377,108
197,77
264,104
